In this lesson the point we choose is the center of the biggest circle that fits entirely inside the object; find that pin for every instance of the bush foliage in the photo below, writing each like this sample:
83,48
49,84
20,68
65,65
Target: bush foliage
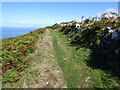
95,35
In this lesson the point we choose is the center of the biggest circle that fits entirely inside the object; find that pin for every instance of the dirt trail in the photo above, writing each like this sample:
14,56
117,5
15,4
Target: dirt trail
44,71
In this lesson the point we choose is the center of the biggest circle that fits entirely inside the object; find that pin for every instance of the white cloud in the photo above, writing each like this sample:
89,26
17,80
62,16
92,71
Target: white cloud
107,11
111,10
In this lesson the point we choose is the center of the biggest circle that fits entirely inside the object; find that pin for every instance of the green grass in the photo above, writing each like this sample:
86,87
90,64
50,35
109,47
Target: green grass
102,79
11,76
70,66
75,67
13,53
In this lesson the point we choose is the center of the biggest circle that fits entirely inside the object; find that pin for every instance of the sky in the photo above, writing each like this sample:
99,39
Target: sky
39,14
60,0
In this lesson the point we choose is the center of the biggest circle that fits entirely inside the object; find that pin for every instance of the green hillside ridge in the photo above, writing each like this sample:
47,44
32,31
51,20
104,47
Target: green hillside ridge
85,51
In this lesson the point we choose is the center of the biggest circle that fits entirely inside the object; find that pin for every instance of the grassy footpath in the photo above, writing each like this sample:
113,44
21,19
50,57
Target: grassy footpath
13,53
70,65
74,65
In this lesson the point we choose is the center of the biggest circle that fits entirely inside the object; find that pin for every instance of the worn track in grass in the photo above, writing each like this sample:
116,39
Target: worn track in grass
75,72
44,71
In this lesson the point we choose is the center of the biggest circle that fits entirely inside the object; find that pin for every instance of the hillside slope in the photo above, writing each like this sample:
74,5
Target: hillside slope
63,56
13,53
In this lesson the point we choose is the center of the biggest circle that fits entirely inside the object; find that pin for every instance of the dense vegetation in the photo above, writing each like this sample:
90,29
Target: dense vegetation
13,54
96,35
74,65
88,55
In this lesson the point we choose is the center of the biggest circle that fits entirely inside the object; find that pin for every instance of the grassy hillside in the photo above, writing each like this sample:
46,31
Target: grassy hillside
73,62
96,41
87,56
104,43
13,54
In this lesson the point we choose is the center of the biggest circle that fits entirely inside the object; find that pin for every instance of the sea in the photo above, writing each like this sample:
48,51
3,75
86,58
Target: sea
8,32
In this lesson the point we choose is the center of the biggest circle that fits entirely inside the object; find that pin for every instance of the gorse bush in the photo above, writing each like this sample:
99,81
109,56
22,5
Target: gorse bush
102,36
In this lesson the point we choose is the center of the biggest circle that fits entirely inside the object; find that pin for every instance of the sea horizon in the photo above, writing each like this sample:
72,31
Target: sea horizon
9,32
